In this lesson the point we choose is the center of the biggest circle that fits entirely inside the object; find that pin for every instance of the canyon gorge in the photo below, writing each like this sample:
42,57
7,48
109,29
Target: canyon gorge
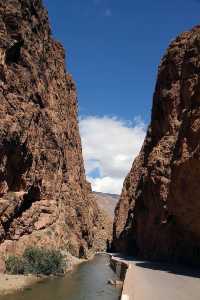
157,216
45,198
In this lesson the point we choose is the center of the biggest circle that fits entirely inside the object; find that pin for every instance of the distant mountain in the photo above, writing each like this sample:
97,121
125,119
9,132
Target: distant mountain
107,202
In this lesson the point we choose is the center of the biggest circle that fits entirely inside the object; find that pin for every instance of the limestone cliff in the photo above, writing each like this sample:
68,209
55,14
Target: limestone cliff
159,210
44,197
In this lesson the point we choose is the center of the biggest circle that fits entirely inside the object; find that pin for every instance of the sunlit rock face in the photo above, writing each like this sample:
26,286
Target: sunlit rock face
45,199
158,215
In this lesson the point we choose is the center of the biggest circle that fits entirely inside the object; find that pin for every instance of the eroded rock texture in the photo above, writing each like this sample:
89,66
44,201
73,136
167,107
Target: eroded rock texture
158,215
44,197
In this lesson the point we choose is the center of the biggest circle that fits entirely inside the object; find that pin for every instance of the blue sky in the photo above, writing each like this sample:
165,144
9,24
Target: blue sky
113,51
114,48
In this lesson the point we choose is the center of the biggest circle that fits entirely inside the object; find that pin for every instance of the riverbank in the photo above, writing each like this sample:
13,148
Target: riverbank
13,283
89,280
10,284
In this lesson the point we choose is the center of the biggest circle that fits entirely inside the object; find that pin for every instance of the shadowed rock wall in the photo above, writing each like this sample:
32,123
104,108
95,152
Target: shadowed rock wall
158,215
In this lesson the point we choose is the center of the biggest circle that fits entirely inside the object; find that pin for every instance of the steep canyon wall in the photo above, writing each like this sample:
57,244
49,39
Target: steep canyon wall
45,199
158,215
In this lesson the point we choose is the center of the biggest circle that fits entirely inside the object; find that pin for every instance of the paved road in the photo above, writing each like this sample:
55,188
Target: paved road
151,281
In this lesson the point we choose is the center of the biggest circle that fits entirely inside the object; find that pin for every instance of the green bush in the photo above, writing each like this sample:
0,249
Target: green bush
36,261
40,261
15,265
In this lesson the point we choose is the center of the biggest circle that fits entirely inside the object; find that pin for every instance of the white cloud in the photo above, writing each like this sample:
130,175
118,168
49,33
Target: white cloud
107,184
109,148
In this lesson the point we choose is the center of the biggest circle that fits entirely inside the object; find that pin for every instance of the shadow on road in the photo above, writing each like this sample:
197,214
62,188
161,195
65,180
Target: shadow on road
184,270
174,269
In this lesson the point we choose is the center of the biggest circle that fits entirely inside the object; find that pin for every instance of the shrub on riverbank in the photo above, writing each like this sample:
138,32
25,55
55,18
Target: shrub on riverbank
36,261
15,265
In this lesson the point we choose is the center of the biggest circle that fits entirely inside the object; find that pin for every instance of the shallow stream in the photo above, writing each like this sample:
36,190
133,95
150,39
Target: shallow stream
87,282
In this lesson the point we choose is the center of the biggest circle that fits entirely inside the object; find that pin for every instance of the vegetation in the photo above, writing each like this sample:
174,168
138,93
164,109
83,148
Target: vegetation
15,265
36,261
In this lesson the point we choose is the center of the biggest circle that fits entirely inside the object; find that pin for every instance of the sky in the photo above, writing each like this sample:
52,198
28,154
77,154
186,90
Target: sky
113,49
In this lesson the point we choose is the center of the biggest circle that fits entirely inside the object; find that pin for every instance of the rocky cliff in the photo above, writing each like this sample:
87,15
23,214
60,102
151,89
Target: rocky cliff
44,197
159,210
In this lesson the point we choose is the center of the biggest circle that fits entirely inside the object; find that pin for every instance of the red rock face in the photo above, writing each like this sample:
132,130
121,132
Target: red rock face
44,197
158,215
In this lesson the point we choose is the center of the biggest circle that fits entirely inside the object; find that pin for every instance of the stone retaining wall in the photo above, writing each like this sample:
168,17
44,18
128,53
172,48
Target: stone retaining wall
120,267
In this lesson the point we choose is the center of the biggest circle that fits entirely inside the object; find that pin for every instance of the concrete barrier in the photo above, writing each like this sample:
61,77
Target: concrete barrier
119,267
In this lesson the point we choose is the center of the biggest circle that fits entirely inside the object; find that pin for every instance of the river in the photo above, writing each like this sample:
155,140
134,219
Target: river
87,282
